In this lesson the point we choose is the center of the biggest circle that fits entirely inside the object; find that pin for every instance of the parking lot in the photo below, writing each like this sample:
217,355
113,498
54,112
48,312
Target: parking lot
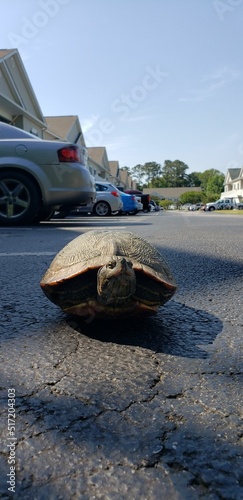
138,409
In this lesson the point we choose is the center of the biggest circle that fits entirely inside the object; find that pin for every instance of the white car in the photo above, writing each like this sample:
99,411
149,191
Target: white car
195,207
222,204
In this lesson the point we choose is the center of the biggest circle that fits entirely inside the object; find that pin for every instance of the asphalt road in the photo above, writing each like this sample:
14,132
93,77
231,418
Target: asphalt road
125,409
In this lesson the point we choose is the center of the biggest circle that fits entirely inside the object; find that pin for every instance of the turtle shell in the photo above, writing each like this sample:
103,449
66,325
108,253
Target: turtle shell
70,281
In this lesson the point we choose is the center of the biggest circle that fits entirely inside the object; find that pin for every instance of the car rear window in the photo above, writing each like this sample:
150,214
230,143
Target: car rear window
101,187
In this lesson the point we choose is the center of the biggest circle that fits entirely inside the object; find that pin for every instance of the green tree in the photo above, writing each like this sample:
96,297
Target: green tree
126,168
146,174
215,184
191,197
159,182
194,179
174,173
152,170
165,203
207,175
138,174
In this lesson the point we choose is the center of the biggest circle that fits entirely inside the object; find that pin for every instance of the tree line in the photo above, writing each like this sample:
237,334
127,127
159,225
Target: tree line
174,174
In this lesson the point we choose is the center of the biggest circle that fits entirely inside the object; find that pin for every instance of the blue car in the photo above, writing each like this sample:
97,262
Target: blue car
129,204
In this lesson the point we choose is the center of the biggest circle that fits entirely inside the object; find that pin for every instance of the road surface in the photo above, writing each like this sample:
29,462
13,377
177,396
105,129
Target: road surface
125,409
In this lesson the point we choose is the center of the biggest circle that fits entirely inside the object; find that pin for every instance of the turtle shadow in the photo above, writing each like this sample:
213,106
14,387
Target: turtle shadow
176,330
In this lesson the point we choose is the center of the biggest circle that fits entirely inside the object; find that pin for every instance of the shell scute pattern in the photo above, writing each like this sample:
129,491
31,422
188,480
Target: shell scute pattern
75,269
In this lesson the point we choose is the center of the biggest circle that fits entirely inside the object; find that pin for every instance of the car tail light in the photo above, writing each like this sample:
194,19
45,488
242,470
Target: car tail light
69,154
115,193
133,197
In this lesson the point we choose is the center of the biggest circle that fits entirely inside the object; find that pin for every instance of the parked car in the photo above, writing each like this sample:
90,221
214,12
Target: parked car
154,206
196,206
39,176
221,204
240,206
145,198
129,204
139,203
108,201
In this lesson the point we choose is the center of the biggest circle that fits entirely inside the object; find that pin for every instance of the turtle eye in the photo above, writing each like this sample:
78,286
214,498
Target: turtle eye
111,264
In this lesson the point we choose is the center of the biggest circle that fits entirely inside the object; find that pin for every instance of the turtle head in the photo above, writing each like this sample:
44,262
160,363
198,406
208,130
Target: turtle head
116,282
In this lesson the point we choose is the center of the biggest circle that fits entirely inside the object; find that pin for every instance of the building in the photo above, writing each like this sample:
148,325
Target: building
18,102
98,163
115,175
233,185
19,107
172,194
66,128
126,181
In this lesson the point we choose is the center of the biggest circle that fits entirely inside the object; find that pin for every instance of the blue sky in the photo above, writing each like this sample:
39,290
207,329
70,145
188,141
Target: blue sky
149,79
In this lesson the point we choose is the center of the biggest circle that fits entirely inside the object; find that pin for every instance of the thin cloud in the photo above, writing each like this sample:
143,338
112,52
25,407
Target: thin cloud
210,83
224,75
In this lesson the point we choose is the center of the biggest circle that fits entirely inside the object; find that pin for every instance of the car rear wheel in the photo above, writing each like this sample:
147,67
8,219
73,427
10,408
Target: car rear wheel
211,209
19,199
102,208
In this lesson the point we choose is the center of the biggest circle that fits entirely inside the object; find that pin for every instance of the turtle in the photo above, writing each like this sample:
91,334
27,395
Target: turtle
108,274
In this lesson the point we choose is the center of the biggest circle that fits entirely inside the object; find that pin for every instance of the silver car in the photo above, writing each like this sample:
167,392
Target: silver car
39,176
108,200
